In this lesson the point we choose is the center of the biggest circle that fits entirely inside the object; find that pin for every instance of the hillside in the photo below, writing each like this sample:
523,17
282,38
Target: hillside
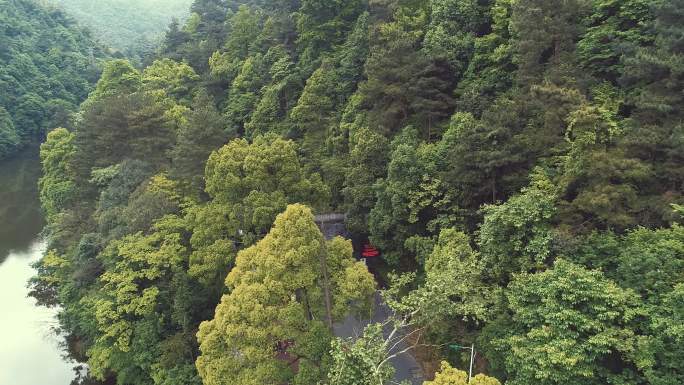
512,169
130,26
47,67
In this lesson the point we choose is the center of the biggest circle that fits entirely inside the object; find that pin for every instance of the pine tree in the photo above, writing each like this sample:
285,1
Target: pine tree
175,40
654,75
544,36
203,132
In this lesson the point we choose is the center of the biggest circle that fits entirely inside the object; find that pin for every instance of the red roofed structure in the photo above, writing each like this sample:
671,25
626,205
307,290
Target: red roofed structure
369,251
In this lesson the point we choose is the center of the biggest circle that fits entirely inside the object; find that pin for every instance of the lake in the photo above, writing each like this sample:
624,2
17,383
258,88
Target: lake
29,348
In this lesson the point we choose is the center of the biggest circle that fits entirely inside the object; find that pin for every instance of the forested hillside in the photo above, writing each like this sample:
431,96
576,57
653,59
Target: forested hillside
133,27
47,67
518,164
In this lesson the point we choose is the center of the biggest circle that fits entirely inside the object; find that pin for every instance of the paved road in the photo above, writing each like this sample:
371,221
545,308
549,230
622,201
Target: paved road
406,366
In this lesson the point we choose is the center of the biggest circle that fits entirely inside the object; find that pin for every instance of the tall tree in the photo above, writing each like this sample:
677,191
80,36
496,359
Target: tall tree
249,184
544,38
615,27
402,82
141,284
654,74
270,328
56,184
323,24
204,131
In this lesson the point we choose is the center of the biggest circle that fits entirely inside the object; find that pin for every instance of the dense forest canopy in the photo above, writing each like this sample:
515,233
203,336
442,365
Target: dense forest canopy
48,65
133,27
518,164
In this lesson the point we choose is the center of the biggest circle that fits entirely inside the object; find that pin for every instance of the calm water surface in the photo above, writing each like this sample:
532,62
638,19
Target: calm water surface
29,352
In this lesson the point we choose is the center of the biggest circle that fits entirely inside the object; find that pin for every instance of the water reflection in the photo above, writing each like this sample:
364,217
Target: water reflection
20,216
29,353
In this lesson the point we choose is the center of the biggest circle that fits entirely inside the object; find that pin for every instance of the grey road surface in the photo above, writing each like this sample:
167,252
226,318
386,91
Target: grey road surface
405,364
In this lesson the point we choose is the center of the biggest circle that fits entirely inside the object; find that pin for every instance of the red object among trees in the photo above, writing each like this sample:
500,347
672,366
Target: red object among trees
369,251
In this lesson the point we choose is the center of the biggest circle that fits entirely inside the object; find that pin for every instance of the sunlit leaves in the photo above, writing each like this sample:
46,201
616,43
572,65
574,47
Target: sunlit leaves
564,323
451,376
278,298
56,184
516,236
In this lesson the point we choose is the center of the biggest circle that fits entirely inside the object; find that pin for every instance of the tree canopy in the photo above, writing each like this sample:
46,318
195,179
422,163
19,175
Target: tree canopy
48,65
515,166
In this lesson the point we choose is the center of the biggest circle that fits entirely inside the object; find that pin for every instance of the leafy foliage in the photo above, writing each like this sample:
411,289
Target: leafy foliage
280,289
48,65
514,163
563,323
450,376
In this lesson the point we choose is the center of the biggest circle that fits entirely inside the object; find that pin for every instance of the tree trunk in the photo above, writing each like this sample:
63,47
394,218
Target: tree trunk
326,290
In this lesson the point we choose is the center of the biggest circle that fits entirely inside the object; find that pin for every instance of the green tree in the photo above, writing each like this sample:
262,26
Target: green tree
270,113
451,376
139,287
454,285
269,164
207,27
613,27
171,79
368,160
313,111
544,36
203,132
352,57
249,185
361,362
390,222
244,93
323,24
119,77
484,158
454,26
122,127
175,38
491,69
152,200
649,262
29,113
282,289
516,236
402,82
600,175
568,325
57,189
651,76
667,346
245,26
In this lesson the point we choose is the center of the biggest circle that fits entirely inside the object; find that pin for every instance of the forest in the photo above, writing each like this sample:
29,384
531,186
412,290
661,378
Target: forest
133,28
48,65
518,164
